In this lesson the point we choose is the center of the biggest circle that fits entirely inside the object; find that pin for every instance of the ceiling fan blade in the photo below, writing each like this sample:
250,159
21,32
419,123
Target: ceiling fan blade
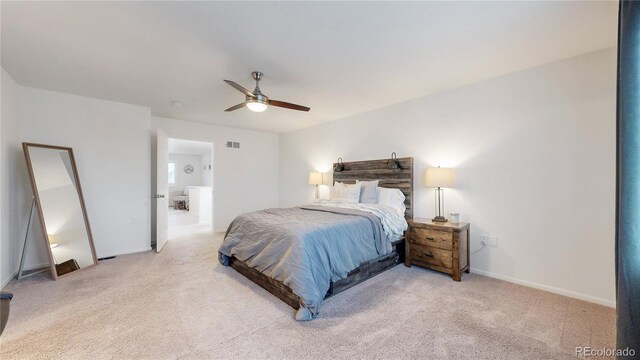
240,88
287,105
236,107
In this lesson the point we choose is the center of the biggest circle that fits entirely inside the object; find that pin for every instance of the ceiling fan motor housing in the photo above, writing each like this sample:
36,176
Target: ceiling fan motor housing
258,98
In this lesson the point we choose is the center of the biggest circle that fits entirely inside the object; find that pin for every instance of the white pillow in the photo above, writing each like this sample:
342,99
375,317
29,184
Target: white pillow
344,193
369,192
392,197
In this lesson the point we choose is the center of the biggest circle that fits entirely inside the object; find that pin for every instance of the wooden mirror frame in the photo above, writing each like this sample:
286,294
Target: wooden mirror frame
36,196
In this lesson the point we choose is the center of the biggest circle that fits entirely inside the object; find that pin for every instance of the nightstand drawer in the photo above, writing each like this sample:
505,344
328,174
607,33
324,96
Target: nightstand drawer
433,238
432,256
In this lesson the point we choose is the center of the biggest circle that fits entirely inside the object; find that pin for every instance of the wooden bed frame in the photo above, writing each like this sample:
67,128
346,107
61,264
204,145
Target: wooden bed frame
402,179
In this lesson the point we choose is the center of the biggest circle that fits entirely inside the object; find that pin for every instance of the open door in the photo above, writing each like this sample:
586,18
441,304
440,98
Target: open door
161,196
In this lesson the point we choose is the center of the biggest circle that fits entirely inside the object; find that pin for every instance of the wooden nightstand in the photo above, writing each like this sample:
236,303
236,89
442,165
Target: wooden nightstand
438,246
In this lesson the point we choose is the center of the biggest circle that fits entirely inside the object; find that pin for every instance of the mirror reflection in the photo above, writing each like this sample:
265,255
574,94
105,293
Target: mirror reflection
58,196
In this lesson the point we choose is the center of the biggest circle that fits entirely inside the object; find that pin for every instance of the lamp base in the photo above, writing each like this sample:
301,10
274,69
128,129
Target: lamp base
439,219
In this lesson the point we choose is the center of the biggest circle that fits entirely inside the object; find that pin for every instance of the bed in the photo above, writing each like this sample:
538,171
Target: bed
306,254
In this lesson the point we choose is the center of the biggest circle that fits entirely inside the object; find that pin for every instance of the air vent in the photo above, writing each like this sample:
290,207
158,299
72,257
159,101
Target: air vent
233,144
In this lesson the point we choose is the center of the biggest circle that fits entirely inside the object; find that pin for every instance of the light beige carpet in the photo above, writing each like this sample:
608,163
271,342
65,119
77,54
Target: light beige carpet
181,304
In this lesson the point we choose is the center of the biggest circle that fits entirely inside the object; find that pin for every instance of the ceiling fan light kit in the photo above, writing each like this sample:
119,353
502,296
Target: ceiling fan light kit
257,101
257,104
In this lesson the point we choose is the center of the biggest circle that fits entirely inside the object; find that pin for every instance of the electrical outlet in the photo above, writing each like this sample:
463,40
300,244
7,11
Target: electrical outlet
488,240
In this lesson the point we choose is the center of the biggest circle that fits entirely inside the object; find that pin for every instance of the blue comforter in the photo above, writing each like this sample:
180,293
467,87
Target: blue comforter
305,247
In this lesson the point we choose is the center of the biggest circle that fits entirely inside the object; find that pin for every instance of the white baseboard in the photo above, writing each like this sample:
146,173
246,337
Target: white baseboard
6,282
550,289
125,252
26,268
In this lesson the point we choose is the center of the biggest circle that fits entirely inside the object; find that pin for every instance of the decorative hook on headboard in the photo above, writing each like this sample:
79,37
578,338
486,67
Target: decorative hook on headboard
339,166
393,163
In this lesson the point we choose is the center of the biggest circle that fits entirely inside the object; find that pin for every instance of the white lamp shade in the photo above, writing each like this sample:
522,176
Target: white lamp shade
315,178
256,106
439,177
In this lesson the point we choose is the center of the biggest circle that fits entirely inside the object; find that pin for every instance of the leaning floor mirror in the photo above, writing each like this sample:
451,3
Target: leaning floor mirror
60,204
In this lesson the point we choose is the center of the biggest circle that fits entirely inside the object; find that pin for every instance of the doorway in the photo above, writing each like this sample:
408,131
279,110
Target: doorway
190,189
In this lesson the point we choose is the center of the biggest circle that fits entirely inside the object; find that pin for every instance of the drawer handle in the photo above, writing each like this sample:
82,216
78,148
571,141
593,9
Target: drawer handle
428,254
431,239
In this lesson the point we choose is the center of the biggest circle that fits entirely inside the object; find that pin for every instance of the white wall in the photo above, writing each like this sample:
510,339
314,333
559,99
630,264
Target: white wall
111,145
183,179
534,153
207,170
9,247
245,179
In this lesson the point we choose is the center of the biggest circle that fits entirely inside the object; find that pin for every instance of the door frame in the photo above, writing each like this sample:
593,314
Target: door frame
154,160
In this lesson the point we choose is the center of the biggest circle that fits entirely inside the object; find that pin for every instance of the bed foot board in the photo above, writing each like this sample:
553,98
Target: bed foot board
275,287
360,274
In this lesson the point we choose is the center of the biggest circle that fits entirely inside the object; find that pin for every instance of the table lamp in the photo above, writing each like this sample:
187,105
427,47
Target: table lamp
315,178
439,178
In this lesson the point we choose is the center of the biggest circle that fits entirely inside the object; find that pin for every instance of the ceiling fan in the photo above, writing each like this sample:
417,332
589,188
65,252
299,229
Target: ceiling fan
257,101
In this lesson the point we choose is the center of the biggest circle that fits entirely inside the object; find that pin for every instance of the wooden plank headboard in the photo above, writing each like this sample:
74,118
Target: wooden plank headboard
379,170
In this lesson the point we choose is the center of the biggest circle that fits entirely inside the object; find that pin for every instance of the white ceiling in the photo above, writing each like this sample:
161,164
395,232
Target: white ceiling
189,147
339,58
